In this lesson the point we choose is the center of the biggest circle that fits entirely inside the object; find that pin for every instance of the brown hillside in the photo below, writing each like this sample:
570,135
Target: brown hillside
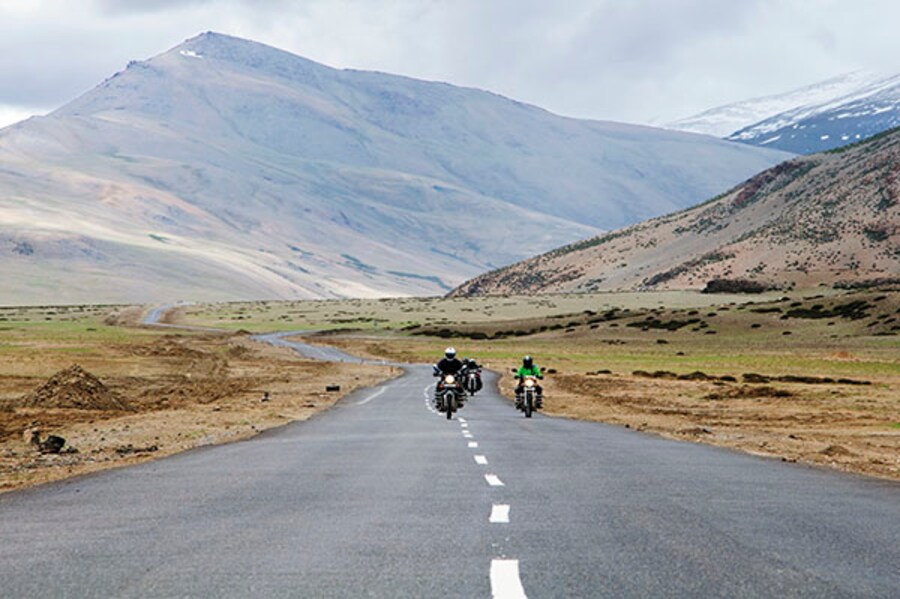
830,218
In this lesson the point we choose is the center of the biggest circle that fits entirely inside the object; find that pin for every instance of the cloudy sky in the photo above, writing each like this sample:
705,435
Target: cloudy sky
643,61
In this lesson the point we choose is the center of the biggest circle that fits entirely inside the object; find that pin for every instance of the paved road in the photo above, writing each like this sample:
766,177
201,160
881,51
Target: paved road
382,497
314,352
155,315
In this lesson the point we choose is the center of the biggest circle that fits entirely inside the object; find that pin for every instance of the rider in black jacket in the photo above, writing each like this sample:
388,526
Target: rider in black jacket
450,364
470,365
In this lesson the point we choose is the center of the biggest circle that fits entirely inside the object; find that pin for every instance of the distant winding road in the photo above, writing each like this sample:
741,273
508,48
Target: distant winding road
382,497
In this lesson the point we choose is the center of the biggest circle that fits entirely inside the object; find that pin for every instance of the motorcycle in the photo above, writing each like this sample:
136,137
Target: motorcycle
473,381
527,396
451,395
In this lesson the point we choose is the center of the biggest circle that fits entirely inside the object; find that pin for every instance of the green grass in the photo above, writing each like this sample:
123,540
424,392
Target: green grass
72,350
840,348
70,331
625,359
67,330
396,313
736,348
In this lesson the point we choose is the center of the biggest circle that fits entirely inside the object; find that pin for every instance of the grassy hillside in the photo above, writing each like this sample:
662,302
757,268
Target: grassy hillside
830,219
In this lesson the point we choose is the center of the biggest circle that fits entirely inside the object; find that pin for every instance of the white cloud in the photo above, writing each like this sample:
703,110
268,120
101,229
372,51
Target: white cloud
640,61
13,114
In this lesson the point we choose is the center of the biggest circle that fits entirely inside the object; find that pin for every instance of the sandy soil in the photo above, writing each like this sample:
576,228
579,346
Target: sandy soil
182,391
832,425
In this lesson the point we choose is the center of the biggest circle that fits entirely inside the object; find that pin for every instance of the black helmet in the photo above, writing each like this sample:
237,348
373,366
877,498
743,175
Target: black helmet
527,362
450,353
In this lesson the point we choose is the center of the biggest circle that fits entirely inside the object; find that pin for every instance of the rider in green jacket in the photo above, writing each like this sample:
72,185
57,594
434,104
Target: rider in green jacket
528,368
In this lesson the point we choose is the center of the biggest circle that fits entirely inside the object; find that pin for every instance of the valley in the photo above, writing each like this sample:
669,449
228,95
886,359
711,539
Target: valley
803,377
244,277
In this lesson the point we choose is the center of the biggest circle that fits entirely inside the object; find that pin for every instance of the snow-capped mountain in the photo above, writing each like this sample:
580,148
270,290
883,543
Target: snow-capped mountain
815,118
866,111
723,121
226,169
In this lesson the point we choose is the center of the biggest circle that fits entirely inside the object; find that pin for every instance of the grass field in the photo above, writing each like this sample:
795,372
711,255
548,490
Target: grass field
679,331
397,313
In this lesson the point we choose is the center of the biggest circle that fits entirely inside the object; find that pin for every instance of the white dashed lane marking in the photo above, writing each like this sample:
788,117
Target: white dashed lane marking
428,399
462,420
464,425
371,397
473,444
505,582
499,514
493,480
480,459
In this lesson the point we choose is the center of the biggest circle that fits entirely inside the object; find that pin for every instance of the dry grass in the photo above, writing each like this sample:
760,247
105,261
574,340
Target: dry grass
397,313
183,391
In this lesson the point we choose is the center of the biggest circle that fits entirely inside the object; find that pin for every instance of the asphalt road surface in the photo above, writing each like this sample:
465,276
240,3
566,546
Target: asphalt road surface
314,352
382,497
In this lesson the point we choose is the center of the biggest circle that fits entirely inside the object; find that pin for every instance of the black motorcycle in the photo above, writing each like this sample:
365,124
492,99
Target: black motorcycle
473,381
450,395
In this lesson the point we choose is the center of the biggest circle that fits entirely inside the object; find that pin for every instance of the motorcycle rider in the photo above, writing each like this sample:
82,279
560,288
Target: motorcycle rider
450,364
529,368
470,365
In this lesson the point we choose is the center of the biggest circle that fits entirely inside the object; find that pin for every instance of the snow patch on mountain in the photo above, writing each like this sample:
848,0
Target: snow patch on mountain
723,121
866,111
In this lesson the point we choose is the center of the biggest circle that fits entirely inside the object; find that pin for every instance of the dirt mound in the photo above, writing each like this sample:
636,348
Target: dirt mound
74,388
748,392
239,352
171,347
836,450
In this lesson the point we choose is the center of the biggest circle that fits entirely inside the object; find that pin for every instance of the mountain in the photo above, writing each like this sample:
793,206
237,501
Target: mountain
227,169
868,110
811,119
723,121
822,219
